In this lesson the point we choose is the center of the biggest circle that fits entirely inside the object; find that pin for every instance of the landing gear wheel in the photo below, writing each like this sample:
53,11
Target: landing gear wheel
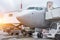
40,35
57,37
11,33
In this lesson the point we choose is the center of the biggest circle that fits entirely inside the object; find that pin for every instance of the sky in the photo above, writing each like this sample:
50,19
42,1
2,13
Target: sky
12,5
40,2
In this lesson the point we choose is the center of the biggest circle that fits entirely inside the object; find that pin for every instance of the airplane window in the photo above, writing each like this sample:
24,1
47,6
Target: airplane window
35,8
31,8
38,8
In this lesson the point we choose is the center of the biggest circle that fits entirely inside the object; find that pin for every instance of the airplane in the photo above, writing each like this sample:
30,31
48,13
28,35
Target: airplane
34,16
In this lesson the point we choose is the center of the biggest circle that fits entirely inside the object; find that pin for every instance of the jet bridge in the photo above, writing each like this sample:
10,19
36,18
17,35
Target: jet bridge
53,14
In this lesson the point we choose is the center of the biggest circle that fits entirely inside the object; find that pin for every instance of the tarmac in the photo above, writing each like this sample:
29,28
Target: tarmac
24,39
5,36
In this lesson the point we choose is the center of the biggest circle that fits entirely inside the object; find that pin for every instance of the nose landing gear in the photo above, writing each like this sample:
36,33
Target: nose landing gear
40,35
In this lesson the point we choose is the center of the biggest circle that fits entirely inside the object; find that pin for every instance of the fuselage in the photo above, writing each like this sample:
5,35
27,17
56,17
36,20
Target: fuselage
33,18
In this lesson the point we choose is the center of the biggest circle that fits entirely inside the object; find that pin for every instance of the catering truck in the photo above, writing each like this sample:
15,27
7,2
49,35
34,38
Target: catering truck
54,30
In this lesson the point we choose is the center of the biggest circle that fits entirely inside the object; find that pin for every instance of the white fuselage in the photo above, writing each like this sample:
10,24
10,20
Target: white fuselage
33,18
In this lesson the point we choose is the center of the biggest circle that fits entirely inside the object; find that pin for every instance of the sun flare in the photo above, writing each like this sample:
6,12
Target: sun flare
1,21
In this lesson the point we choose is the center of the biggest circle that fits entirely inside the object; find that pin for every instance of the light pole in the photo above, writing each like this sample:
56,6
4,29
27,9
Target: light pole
21,5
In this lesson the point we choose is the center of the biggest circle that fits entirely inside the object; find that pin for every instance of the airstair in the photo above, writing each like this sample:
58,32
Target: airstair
53,14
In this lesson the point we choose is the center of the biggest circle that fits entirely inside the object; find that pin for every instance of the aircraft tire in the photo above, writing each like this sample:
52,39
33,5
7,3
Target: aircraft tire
40,35
57,37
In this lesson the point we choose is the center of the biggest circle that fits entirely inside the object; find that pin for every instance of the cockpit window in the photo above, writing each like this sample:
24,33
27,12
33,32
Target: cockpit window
35,8
31,8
